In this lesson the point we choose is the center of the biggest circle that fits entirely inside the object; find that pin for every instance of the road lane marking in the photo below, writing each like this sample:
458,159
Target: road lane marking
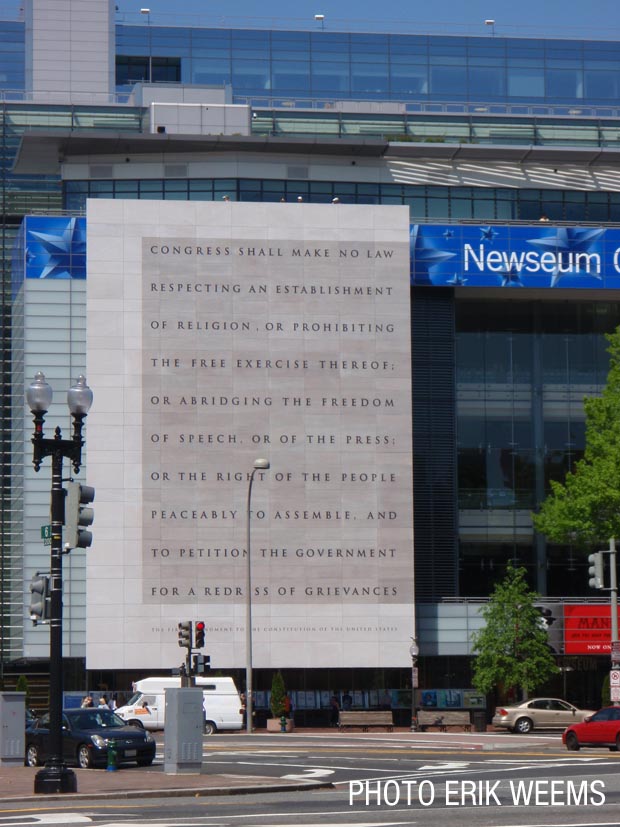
309,774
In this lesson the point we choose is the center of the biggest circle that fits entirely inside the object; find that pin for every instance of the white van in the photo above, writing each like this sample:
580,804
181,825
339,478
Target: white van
222,704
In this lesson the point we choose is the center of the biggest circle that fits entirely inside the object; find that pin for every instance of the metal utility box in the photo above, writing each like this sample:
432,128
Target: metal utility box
183,732
12,724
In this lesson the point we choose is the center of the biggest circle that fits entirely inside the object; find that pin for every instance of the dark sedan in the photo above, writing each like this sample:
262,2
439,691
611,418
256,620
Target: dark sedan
86,734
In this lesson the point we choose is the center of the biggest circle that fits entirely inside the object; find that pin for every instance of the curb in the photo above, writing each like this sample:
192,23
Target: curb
173,792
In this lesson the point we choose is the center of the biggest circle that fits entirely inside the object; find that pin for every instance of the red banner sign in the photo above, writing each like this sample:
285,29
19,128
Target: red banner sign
587,629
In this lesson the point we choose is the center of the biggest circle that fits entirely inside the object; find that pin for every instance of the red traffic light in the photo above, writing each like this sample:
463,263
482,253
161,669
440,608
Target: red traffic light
199,634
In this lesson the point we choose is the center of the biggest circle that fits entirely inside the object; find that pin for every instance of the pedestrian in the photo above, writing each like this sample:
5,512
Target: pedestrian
288,705
244,709
334,711
103,703
87,702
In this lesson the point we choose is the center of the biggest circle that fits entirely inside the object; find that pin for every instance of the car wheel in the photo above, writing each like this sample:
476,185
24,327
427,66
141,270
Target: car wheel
137,723
210,728
32,756
523,726
572,742
84,757
145,762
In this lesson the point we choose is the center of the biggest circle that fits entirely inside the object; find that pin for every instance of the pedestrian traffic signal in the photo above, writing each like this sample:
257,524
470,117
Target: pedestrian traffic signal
185,634
39,598
597,579
78,515
201,664
199,634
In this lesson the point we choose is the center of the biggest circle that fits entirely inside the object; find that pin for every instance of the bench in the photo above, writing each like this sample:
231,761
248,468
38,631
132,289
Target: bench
442,720
366,719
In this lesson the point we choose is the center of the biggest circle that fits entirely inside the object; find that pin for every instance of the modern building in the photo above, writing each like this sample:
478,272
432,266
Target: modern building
480,137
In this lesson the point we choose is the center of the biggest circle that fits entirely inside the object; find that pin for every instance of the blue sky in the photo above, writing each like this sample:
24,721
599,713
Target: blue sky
559,18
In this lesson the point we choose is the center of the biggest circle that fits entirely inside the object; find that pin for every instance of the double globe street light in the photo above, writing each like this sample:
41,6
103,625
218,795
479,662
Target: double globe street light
55,777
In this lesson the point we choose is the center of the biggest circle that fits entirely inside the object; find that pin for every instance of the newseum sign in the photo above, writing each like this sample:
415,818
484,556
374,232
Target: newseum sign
220,333
512,256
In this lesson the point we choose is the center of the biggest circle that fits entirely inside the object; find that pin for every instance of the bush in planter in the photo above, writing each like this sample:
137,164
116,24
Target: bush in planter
22,686
278,695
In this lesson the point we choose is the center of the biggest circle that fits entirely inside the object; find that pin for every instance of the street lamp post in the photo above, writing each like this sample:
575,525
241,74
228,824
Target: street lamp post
147,12
414,651
54,777
259,465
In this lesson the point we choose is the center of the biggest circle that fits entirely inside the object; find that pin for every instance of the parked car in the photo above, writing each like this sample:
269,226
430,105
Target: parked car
86,734
538,713
601,729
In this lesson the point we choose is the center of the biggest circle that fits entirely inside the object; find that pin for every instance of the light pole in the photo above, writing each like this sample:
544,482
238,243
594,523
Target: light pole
147,12
259,465
55,777
564,670
414,651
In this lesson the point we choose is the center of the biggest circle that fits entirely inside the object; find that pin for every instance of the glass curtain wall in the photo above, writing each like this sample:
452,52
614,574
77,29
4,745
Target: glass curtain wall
297,65
523,370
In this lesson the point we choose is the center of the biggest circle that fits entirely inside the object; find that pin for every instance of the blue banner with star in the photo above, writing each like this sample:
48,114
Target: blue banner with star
542,255
54,248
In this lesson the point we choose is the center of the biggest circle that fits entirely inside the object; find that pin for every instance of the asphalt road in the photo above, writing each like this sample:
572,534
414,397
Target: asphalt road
376,782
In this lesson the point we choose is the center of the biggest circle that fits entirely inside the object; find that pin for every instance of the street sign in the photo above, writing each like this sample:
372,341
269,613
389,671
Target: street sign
615,694
615,651
46,534
414,677
614,677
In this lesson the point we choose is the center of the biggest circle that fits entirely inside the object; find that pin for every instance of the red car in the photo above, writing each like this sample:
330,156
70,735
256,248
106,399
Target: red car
599,730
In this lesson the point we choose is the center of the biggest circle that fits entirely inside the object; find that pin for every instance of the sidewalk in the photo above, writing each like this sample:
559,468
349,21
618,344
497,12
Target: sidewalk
17,784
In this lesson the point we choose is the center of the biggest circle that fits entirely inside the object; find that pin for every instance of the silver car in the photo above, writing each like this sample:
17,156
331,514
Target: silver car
538,713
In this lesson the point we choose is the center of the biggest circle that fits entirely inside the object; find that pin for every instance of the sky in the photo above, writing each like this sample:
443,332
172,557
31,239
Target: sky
536,18
513,18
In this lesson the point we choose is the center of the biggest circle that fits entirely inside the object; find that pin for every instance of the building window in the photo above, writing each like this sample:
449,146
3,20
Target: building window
146,69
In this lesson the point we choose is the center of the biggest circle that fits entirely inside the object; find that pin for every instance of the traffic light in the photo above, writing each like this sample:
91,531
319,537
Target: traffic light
78,515
39,598
185,634
597,579
199,634
201,664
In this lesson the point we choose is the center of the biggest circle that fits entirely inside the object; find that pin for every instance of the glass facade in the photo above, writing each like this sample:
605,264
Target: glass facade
12,56
521,376
20,195
495,130
426,203
356,66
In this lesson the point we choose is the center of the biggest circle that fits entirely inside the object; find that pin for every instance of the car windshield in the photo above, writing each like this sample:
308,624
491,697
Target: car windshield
96,719
134,699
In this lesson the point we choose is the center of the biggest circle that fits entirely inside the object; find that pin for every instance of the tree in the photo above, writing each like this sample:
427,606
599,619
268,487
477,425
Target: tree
585,508
22,686
278,694
512,650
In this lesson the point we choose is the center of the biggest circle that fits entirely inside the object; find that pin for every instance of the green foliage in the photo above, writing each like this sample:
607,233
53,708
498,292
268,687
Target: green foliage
278,694
606,691
21,685
585,509
512,650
